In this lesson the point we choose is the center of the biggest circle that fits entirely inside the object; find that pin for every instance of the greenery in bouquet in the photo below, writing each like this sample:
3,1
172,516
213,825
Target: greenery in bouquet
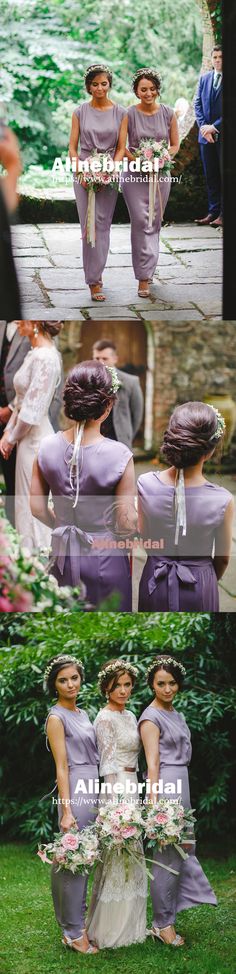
100,178
76,851
24,582
167,823
149,150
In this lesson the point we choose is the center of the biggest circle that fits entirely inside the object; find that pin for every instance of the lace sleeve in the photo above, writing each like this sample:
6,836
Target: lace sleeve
44,378
106,743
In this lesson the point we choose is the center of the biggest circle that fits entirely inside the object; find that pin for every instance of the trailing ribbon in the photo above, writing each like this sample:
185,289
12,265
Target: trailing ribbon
180,505
90,223
153,188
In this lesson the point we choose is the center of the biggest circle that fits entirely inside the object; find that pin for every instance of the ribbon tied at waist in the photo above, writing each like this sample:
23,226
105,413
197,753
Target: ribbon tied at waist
177,574
66,543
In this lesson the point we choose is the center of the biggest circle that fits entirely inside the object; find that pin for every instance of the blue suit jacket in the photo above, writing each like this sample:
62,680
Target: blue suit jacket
208,104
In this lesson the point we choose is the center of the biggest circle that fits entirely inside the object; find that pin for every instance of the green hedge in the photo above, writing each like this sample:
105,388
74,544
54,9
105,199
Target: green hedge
205,643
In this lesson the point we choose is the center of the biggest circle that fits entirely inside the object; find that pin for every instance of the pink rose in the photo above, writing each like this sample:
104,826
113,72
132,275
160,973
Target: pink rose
6,605
129,831
22,600
161,163
43,856
148,153
161,818
69,841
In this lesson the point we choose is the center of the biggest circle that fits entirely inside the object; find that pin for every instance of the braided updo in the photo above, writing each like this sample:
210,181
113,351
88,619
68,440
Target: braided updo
88,391
190,434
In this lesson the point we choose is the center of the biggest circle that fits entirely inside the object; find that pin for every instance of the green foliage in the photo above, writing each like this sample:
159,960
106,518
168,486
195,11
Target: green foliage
45,49
204,642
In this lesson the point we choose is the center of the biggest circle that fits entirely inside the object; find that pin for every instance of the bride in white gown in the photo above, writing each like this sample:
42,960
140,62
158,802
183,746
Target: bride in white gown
35,384
117,910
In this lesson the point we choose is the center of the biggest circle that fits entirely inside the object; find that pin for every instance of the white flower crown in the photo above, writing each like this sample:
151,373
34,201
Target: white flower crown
64,658
163,662
97,67
115,385
113,668
221,424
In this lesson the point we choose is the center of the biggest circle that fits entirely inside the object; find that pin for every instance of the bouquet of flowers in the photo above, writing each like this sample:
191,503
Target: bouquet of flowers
168,823
119,828
25,585
147,152
93,181
73,850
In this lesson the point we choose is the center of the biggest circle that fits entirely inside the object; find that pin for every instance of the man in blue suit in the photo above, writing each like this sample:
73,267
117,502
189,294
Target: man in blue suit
208,112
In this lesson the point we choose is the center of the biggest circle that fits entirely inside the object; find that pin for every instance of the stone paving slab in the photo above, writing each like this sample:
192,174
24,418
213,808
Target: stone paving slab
188,277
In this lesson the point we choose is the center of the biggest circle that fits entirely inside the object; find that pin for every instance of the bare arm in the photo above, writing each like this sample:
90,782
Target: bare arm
150,735
174,136
224,541
125,496
121,144
10,159
74,137
56,737
39,493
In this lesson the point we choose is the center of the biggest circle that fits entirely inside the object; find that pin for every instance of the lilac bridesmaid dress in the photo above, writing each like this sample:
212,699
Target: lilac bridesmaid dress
182,577
84,539
68,890
98,130
145,239
171,894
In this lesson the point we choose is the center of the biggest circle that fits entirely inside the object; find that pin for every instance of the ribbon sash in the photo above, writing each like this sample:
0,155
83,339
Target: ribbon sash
90,225
153,188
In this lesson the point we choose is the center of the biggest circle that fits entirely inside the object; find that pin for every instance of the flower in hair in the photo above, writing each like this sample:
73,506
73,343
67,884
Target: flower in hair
163,662
97,67
114,668
221,425
64,658
115,381
145,72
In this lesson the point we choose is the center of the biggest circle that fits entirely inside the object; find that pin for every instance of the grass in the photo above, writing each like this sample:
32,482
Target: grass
30,939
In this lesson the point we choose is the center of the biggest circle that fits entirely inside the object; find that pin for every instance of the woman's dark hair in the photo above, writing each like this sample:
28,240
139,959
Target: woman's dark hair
51,328
190,434
93,70
50,680
107,677
88,391
149,75
162,664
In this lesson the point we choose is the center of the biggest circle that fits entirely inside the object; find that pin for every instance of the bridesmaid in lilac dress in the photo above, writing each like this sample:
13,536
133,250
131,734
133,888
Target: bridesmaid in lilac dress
186,517
97,124
167,745
152,121
92,482
72,741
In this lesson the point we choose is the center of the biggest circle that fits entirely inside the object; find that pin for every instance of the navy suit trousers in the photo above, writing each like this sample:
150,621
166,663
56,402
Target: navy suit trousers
211,161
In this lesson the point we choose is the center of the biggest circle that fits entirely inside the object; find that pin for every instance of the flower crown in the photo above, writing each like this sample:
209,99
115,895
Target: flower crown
65,658
115,385
221,425
98,67
113,668
145,72
163,662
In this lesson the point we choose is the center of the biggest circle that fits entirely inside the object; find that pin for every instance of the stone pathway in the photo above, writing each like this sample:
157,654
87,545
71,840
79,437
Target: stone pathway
187,284
227,585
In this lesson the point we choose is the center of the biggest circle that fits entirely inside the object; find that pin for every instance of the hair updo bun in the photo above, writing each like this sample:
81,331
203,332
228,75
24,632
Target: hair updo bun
191,434
88,391
51,328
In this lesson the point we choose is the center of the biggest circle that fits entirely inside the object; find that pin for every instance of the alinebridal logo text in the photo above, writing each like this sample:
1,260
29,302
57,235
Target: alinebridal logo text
75,165
127,788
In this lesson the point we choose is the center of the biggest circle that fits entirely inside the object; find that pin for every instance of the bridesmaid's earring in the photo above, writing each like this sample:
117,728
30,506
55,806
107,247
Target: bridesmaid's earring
35,331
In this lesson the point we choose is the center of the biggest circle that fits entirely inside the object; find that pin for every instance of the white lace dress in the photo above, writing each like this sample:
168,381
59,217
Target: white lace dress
117,911
35,384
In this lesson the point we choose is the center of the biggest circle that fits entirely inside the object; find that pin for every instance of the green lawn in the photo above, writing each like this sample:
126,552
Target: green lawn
30,940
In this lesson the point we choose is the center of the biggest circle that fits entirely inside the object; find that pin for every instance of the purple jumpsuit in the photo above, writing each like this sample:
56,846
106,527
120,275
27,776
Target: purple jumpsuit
171,894
145,239
68,890
98,130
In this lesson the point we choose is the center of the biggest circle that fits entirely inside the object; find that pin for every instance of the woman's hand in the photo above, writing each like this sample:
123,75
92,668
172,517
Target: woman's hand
68,821
6,447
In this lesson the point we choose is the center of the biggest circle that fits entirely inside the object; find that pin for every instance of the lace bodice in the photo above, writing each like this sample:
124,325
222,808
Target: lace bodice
118,741
35,383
